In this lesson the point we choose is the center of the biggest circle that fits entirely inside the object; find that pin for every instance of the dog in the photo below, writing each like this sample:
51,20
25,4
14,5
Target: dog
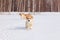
29,20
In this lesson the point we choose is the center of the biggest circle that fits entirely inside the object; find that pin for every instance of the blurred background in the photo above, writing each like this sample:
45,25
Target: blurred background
29,5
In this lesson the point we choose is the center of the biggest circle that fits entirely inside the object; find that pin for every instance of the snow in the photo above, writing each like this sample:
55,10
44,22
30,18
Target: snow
45,27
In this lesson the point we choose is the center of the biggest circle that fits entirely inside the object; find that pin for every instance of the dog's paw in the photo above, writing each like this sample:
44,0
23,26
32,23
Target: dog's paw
30,27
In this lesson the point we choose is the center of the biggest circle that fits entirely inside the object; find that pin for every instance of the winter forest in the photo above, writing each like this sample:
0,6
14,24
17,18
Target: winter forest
29,5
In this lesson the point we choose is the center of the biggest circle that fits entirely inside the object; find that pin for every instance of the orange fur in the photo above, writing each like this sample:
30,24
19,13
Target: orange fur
26,16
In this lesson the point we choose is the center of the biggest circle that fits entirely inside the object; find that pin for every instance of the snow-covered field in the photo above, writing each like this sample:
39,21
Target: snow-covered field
46,27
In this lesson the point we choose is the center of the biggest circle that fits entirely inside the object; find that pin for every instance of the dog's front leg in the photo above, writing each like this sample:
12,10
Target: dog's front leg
29,24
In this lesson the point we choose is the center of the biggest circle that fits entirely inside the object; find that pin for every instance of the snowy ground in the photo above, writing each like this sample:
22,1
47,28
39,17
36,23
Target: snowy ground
46,27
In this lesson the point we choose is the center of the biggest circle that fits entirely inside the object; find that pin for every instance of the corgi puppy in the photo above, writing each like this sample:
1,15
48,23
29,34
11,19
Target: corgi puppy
29,20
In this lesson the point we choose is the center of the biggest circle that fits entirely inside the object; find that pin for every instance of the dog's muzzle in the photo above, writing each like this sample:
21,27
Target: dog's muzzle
28,20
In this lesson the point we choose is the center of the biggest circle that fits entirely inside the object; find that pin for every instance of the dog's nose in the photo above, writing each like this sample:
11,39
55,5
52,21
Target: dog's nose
28,20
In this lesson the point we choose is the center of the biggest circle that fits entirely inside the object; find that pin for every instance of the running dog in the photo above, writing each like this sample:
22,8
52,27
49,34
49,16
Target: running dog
29,20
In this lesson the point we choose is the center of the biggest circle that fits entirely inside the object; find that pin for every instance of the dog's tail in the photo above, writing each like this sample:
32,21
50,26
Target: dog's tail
20,14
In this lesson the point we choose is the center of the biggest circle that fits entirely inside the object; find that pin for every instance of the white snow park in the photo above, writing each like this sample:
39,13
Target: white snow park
46,26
